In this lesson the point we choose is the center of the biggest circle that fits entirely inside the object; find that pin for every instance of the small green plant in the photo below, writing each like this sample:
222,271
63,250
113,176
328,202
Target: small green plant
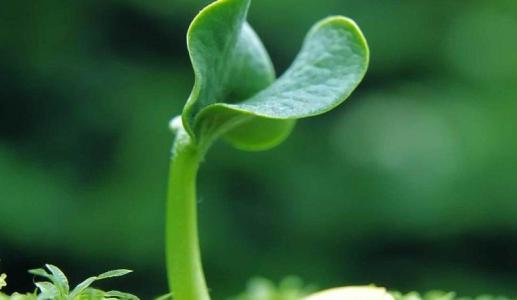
236,98
56,287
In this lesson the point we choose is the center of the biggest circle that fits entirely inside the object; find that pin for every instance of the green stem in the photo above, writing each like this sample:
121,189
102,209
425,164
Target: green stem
184,269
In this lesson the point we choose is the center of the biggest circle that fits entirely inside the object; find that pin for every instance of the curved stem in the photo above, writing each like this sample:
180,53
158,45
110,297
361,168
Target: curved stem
184,269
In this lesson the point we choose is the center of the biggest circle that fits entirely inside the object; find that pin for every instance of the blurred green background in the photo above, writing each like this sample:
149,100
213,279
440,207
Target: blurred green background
411,184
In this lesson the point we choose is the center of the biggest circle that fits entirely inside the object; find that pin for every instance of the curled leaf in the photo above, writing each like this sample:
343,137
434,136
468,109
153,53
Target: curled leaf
235,95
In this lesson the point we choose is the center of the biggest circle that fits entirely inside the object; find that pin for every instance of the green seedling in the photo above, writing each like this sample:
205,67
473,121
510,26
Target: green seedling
237,98
56,287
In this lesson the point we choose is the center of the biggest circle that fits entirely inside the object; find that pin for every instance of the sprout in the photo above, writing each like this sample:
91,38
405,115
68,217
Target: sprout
236,97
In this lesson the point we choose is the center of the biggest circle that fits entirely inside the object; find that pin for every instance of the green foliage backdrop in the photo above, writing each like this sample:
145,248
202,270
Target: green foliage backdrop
410,184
